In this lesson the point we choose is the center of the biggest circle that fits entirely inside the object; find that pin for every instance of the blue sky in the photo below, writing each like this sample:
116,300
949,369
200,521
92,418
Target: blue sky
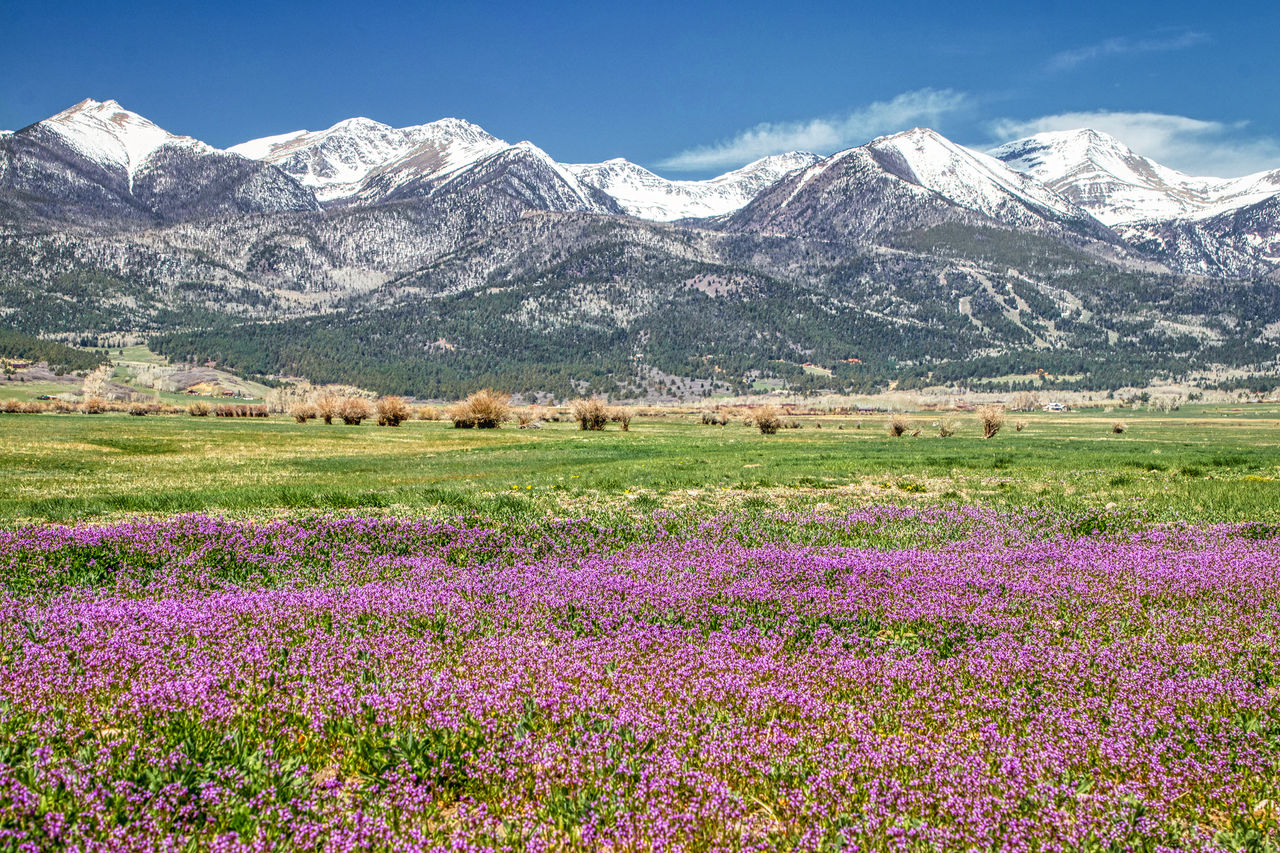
689,89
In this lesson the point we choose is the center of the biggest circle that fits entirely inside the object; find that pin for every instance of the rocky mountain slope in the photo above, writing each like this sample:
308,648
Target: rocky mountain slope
1211,226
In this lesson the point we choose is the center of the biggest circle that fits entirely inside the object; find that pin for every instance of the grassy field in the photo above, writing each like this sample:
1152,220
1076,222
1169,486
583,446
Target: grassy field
1202,464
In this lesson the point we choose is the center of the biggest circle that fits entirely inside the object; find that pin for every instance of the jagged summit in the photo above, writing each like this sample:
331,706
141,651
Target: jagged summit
338,162
1118,185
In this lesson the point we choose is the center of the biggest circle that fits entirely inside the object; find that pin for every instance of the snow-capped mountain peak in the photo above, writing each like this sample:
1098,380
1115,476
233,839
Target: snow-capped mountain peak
966,177
338,162
1118,185
107,133
643,194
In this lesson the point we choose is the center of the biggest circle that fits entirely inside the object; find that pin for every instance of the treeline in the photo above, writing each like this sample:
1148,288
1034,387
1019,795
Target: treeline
18,345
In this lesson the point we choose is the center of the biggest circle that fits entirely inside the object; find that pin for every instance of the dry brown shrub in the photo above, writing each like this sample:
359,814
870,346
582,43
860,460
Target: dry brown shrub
525,416
485,409
991,418
393,410
591,414
327,406
898,425
94,406
353,410
1019,426
766,420
946,428
621,415
429,413
1119,427
302,412
13,407
199,409
138,409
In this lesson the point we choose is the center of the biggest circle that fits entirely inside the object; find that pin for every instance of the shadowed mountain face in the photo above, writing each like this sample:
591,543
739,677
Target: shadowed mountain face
424,258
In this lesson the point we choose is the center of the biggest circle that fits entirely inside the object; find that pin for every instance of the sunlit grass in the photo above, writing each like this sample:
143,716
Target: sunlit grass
1218,464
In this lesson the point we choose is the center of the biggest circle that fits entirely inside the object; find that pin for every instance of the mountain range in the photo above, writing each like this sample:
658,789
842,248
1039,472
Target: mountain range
908,256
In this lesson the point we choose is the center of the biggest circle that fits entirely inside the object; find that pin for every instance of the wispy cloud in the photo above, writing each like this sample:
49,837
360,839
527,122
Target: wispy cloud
822,135
1123,46
1196,146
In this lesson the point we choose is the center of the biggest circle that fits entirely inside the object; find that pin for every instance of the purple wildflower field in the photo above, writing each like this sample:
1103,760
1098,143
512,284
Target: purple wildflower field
890,679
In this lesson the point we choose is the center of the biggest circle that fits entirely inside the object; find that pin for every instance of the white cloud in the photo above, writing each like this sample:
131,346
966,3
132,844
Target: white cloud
1123,46
1195,146
822,135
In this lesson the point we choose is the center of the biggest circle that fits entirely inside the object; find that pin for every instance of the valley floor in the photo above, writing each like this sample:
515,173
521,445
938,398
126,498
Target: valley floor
1213,463
262,635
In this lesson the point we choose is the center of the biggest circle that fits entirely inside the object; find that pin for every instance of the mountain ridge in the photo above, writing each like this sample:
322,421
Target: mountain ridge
371,245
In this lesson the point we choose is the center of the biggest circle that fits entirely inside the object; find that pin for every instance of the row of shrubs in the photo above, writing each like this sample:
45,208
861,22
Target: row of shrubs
485,409
488,409
91,406
201,409
353,411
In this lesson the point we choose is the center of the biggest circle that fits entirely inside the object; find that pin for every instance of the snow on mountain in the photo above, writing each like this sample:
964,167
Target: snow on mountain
645,195
529,175
97,161
969,178
364,161
341,162
1117,185
911,180
108,134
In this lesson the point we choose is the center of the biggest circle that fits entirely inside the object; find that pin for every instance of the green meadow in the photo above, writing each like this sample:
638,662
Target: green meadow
1200,463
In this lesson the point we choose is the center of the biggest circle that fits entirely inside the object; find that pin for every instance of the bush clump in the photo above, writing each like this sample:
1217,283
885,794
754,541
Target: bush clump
591,414
485,409
621,415
992,419
199,409
1119,427
766,420
139,409
353,410
302,412
898,425
94,406
393,410
327,406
